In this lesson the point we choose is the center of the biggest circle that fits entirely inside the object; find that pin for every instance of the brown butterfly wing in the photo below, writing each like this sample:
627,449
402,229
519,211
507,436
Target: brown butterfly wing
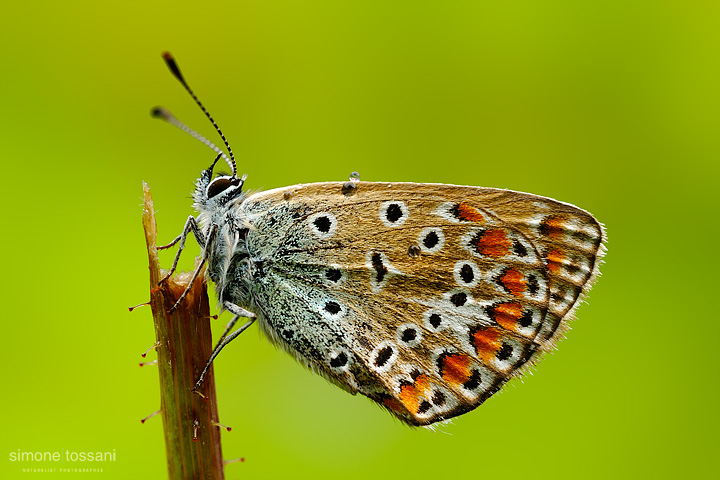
442,292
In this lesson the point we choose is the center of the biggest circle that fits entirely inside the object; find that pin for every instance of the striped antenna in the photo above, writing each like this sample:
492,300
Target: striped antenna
164,114
175,70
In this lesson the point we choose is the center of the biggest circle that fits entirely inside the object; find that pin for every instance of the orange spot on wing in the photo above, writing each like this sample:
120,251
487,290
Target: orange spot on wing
513,281
469,214
486,342
422,383
555,260
553,226
508,314
410,393
455,368
493,243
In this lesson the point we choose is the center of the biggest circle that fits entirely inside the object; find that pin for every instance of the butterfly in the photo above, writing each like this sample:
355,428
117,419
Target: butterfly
425,298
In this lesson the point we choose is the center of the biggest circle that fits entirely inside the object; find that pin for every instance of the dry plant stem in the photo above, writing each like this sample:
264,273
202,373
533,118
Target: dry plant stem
185,344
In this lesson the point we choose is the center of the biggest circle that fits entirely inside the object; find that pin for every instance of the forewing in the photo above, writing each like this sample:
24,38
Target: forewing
426,298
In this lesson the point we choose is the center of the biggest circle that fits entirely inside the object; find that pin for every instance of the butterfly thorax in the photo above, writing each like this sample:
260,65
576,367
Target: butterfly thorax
219,205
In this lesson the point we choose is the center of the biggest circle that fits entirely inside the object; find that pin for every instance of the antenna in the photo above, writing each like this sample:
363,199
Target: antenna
175,70
165,114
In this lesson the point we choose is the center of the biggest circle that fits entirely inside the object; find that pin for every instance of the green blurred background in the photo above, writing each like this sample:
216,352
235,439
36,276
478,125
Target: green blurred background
612,106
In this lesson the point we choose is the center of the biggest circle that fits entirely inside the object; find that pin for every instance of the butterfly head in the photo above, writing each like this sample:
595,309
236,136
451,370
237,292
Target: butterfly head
213,193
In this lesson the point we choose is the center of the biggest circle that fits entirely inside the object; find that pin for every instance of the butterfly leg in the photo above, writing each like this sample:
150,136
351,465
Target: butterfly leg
206,249
190,226
225,339
234,309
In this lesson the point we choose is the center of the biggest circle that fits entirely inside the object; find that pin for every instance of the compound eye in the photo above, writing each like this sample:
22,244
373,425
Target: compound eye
221,184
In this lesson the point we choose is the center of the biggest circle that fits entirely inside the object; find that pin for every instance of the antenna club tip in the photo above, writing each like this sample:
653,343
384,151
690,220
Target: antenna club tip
173,66
161,112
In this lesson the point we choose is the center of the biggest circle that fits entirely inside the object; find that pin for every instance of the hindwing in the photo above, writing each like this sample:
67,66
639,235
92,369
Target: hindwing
426,298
